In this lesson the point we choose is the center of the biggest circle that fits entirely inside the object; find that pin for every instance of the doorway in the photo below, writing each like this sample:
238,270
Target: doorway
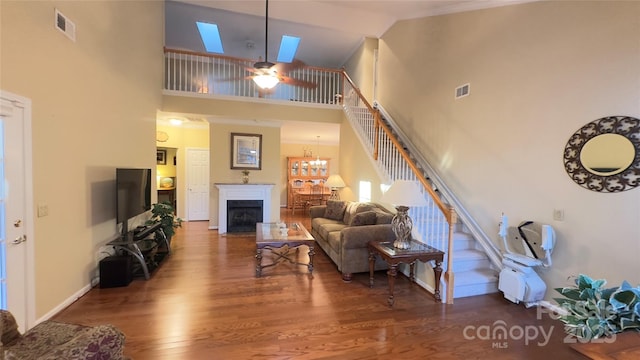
16,229
166,170
197,181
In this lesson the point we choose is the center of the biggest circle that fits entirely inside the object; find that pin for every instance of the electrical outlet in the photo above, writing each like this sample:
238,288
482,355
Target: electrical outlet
558,214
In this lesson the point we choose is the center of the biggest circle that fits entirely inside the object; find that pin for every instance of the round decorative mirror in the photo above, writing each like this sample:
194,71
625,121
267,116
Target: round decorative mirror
604,155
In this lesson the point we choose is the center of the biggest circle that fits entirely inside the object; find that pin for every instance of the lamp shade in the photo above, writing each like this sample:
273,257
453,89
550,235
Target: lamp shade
335,181
404,193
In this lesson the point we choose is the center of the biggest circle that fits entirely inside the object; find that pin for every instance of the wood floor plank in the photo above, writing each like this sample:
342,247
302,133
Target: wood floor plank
204,302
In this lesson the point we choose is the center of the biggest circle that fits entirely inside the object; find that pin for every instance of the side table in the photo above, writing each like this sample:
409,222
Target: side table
393,256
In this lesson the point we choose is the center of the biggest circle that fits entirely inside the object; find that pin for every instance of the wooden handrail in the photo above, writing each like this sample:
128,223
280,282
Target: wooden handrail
446,210
237,59
362,98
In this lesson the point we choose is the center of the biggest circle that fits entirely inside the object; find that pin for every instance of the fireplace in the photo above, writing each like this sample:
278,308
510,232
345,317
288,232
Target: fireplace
228,192
242,215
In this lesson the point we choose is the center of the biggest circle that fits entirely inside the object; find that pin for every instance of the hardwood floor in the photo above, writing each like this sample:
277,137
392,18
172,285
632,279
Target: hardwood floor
204,302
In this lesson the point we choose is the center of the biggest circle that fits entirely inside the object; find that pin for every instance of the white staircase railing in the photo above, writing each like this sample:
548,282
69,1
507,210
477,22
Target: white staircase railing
203,73
433,223
492,251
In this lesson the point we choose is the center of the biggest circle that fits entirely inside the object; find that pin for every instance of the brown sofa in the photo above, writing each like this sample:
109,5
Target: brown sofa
55,340
343,228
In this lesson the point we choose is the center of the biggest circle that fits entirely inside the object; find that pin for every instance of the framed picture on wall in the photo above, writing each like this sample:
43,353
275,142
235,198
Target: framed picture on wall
161,157
246,151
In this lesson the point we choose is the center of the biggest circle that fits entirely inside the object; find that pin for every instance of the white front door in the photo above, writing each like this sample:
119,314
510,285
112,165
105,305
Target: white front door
197,184
16,247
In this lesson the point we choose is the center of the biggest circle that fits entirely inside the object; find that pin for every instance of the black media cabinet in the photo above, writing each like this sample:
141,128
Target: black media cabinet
148,245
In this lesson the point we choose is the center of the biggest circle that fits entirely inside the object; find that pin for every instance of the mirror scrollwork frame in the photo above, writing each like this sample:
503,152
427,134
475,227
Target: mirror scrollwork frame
617,181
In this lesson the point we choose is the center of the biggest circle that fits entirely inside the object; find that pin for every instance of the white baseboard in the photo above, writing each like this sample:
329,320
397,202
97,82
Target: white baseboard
70,300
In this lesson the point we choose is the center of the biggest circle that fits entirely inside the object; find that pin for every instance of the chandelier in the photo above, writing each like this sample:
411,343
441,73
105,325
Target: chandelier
317,163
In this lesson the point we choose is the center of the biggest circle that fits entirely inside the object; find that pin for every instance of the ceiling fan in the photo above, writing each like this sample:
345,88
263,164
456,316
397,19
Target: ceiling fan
267,74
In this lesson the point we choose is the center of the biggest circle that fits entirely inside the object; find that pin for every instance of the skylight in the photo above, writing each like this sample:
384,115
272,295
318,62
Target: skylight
288,48
210,37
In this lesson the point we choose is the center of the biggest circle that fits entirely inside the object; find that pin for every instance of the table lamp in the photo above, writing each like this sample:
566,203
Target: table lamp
334,182
402,194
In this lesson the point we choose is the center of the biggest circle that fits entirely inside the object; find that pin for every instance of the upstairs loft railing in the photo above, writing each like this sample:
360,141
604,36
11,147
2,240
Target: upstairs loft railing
434,222
203,73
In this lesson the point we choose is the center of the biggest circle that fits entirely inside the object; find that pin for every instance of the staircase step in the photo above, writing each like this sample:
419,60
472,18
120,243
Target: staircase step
462,241
475,282
470,259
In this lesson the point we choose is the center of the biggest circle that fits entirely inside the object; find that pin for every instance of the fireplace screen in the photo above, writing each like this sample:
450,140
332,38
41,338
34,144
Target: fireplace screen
242,215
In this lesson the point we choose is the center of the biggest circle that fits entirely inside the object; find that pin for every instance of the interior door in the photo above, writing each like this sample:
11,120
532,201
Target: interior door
197,174
14,249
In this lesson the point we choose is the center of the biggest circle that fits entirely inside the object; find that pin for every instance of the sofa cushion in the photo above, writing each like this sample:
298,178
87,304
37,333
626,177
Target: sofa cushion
364,218
9,328
335,209
334,241
316,223
327,228
383,217
354,208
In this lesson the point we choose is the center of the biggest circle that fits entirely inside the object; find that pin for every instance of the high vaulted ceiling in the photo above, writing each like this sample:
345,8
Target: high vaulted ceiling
330,32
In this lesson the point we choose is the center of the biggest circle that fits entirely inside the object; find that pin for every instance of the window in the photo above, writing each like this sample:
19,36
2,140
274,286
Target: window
364,194
210,37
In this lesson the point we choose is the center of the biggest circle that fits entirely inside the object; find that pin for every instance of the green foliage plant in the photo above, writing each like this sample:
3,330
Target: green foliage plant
164,213
593,311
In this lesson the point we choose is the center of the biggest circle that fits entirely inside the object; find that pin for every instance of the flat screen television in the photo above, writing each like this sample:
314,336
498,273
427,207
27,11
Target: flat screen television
133,194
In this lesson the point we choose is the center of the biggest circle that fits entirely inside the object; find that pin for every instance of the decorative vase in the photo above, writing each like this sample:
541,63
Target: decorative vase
402,225
245,179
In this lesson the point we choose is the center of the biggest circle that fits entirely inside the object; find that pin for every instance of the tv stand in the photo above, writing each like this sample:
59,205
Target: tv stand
144,245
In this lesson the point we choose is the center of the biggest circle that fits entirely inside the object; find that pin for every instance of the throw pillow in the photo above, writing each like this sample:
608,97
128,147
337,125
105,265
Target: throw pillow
364,218
383,218
335,209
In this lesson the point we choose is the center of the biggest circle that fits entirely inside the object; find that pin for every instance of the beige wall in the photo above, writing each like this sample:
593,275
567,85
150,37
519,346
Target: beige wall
221,171
538,72
94,104
360,68
356,166
182,138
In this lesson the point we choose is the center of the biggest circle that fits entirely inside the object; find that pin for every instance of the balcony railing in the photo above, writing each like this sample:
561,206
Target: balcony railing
203,73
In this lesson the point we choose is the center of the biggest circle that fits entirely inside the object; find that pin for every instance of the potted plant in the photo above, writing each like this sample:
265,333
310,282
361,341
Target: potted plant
592,311
164,213
245,176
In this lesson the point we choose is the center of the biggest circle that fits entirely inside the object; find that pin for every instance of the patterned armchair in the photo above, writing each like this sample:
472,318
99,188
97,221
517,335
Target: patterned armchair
53,340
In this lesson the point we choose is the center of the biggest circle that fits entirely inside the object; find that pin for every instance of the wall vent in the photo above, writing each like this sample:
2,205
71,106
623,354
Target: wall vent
65,25
462,91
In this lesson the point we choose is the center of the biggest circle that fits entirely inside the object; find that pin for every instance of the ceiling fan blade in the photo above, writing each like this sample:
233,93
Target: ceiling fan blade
284,68
295,82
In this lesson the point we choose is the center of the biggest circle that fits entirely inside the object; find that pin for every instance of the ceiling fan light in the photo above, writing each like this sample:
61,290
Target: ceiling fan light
266,81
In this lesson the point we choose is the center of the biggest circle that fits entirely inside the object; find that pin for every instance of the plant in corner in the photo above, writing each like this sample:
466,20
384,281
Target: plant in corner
593,312
164,213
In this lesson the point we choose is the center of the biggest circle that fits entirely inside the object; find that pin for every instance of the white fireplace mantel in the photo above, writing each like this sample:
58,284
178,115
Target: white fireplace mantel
242,192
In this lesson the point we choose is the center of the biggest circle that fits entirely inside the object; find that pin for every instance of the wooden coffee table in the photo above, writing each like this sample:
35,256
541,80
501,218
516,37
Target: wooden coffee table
392,256
269,237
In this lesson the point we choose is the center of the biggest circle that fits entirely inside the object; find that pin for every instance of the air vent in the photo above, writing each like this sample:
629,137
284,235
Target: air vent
462,91
65,25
